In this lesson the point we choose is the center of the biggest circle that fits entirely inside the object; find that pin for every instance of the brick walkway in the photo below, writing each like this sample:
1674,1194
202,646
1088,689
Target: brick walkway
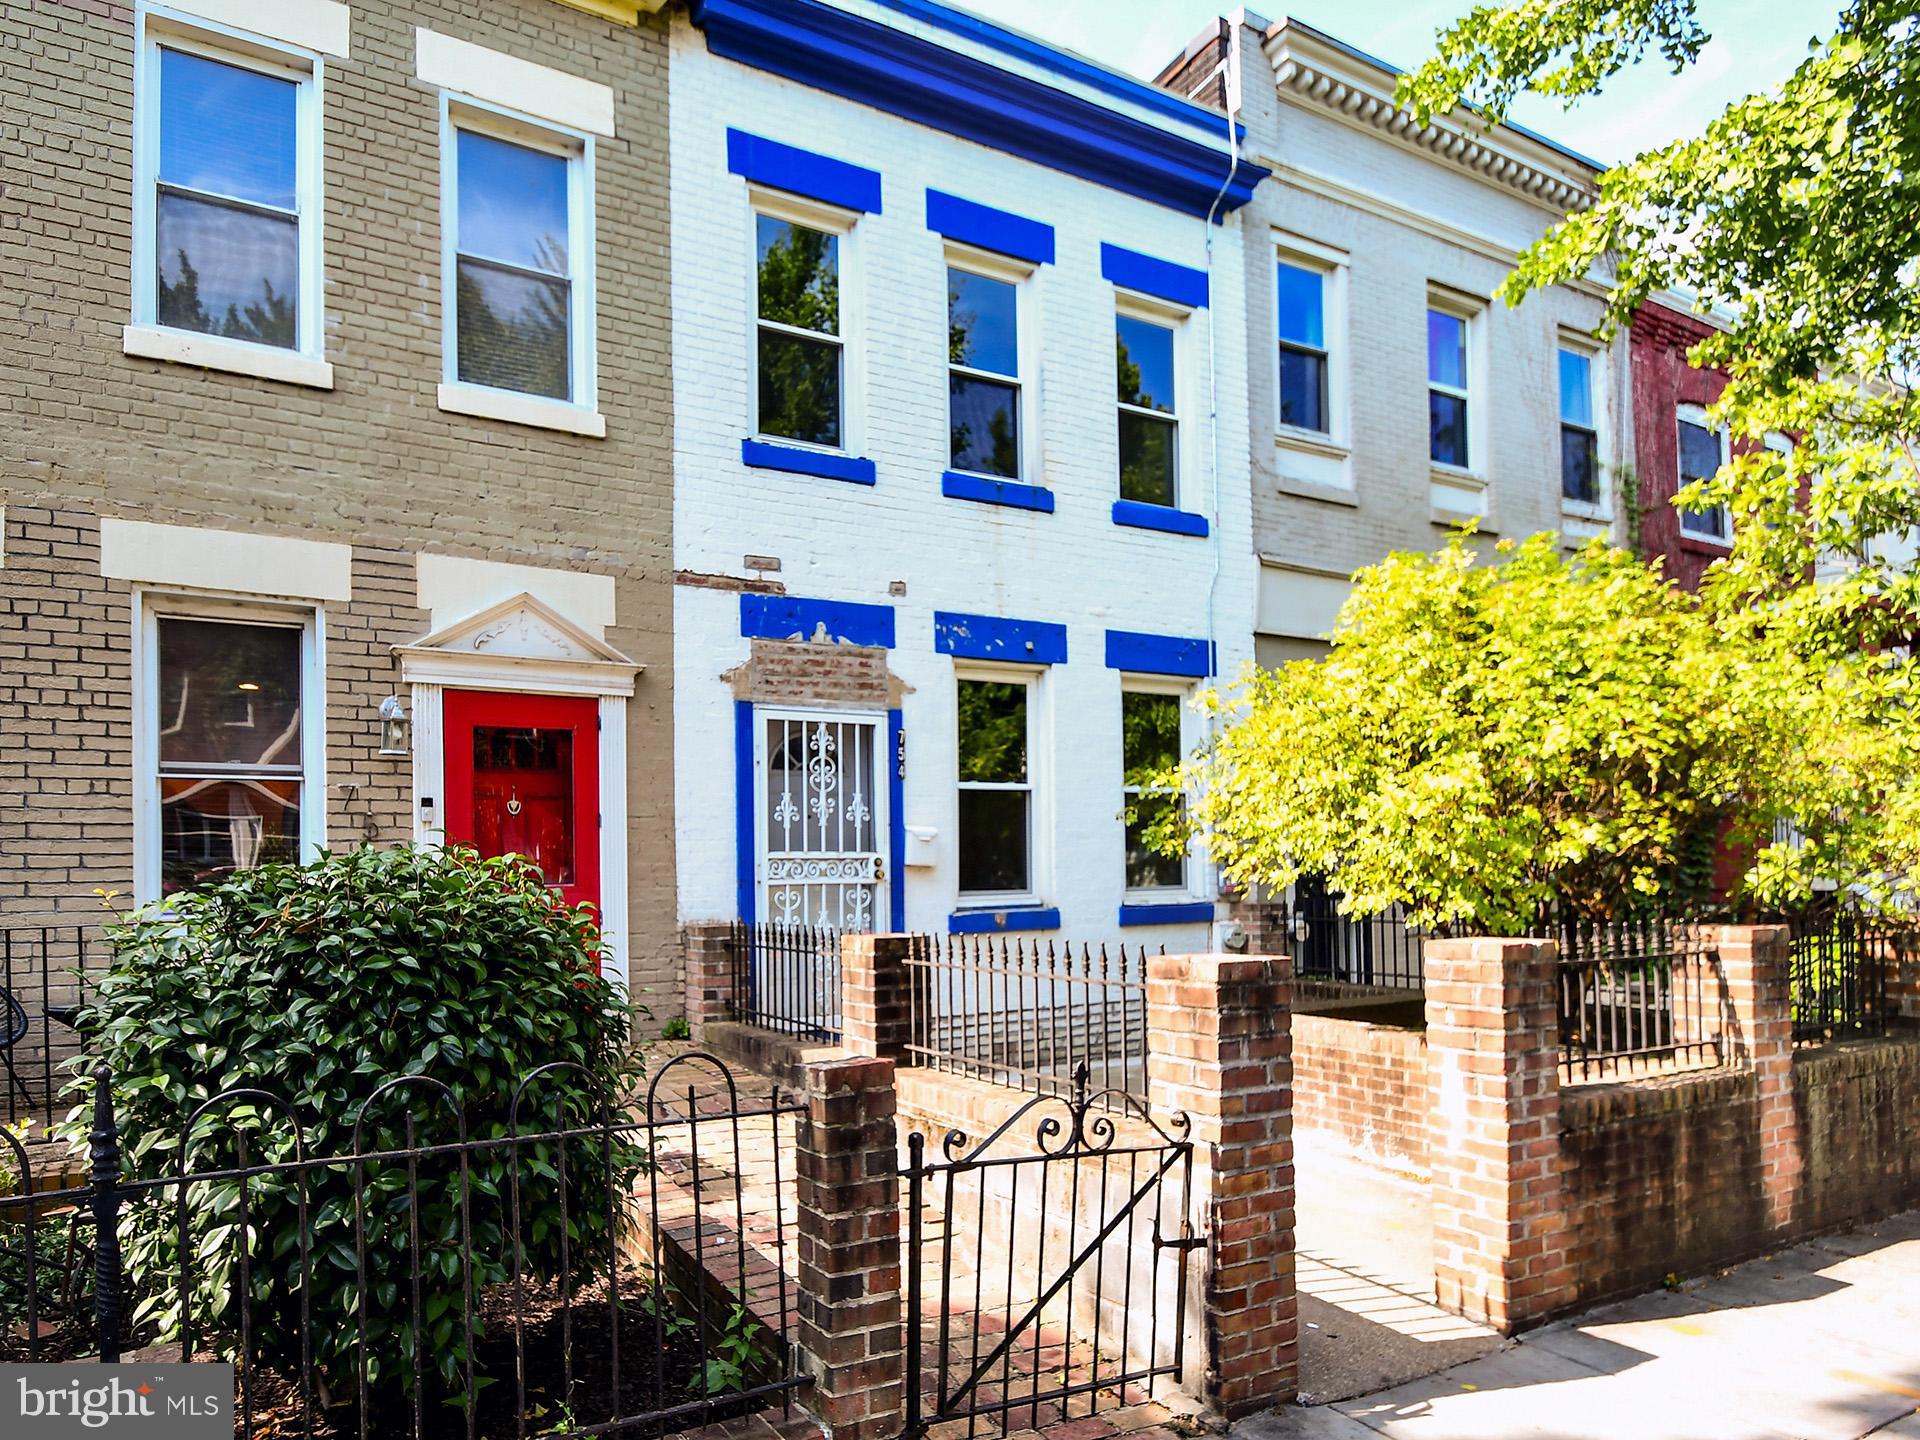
768,1249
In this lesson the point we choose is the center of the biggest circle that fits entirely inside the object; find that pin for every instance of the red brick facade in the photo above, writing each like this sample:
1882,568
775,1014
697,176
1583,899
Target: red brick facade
1662,381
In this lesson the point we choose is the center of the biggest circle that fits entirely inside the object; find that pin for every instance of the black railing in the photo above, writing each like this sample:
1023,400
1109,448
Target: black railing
787,978
1636,996
1841,959
1027,1013
559,1273
46,973
1337,955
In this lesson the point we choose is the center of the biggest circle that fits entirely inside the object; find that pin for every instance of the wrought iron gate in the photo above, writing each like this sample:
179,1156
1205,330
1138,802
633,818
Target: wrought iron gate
1059,1264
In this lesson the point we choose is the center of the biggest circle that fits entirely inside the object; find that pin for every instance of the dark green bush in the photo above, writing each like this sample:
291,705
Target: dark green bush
318,984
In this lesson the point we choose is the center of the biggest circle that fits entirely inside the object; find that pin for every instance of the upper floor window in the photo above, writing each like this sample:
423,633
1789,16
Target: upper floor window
1150,745
800,347
230,745
520,235
1448,387
983,373
226,241
1145,355
1703,450
1579,439
1302,295
995,726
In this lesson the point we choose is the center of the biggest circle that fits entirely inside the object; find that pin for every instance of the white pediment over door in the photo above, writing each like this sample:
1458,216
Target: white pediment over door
522,643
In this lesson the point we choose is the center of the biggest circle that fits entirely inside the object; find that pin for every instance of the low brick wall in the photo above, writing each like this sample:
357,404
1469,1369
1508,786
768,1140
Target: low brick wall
1672,1175
1859,1109
1366,1084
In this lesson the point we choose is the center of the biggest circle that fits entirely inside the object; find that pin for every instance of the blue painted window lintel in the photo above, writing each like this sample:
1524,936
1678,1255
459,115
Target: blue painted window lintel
956,485
780,617
1000,231
989,637
802,172
994,922
1158,517
1130,270
1143,654
1185,913
798,460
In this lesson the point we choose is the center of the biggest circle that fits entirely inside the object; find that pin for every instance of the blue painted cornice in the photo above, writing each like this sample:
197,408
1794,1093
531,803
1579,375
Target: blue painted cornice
916,79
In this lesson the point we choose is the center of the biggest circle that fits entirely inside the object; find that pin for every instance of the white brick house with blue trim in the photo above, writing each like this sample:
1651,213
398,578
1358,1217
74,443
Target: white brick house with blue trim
961,512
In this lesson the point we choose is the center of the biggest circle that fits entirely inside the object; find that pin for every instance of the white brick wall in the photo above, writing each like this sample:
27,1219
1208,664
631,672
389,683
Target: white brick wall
846,542
1405,219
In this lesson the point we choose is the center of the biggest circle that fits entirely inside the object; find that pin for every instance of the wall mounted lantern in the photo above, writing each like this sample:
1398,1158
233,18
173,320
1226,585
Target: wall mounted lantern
396,729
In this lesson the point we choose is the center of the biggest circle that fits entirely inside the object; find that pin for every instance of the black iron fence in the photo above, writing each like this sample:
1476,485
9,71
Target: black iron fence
787,978
1337,955
1842,958
1637,995
46,973
561,1273
1026,1013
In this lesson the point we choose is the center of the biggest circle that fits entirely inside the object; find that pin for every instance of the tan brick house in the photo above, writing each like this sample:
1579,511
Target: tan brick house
334,380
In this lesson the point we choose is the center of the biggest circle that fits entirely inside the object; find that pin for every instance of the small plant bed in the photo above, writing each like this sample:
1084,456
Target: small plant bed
662,1367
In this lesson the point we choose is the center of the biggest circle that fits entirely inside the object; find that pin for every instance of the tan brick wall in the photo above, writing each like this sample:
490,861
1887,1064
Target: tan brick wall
86,431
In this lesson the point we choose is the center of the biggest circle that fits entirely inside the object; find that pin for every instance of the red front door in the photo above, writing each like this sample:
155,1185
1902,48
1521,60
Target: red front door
523,778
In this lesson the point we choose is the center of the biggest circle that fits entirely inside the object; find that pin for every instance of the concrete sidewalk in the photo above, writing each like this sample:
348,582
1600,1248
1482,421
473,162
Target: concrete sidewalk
1821,1342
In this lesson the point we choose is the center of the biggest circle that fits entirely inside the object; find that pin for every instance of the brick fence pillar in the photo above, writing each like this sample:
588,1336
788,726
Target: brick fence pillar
710,971
875,1017
1756,969
849,1292
1493,1048
1219,1049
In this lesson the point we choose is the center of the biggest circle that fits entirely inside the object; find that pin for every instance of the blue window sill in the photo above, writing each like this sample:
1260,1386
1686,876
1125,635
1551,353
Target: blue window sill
958,486
1158,517
798,460
1180,913
997,922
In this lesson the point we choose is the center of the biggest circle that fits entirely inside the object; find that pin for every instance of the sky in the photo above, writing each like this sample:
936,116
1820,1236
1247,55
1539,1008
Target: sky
1756,44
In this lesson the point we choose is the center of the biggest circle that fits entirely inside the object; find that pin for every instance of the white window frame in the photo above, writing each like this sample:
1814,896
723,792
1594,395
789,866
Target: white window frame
1182,691
1026,355
1472,314
1697,415
831,219
1133,305
1332,266
1601,509
579,412
1038,870
305,362
149,608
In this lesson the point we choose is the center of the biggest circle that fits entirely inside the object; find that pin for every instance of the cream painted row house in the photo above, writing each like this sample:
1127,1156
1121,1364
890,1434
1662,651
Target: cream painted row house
1391,395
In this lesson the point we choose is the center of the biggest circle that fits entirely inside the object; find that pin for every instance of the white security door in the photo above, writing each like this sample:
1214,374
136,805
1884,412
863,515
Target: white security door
822,817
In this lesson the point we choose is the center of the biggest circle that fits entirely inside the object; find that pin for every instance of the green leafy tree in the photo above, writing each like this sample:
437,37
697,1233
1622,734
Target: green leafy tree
1485,739
1791,220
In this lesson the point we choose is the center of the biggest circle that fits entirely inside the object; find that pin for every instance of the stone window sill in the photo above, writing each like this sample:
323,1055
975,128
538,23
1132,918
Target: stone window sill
234,357
533,410
1308,490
